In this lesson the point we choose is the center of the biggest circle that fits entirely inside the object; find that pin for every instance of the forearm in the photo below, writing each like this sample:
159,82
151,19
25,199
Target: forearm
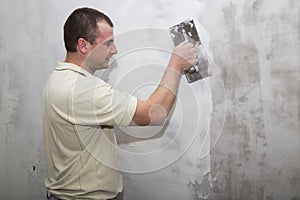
155,110
165,94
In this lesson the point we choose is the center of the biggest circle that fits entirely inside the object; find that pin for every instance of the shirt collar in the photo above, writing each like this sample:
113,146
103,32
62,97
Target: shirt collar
71,66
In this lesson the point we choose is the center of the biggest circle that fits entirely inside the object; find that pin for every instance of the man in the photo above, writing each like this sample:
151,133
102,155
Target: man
80,110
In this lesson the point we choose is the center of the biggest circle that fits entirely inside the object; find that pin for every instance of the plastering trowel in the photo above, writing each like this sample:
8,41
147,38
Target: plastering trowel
186,31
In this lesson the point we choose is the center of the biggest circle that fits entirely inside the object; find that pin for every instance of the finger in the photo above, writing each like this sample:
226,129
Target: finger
184,43
191,45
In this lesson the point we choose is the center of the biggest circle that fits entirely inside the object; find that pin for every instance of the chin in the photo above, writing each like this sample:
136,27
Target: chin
106,66
103,66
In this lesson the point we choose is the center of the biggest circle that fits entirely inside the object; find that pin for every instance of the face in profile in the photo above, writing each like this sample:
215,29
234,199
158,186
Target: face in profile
102,50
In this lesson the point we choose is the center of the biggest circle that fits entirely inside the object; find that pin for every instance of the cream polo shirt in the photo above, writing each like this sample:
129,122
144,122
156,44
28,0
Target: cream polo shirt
79,112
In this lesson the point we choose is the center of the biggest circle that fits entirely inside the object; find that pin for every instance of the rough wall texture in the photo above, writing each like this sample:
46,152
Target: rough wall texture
257,155
255,127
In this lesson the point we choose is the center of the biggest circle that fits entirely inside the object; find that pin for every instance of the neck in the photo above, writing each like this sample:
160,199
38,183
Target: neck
77,59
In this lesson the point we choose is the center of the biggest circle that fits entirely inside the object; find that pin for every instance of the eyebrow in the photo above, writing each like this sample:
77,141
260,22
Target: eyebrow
108,41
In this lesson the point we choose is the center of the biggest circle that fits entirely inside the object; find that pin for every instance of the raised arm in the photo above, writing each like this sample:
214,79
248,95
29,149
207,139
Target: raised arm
156,108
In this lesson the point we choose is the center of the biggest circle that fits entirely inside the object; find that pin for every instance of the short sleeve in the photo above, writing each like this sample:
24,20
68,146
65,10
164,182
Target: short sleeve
97,103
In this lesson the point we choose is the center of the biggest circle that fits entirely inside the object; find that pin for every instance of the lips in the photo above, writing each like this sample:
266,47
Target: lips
108,58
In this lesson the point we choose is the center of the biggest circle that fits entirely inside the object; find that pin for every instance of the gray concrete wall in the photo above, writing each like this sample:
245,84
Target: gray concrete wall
257,48
254,127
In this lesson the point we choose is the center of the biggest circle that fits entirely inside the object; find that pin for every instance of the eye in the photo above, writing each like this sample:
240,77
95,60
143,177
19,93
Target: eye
108,43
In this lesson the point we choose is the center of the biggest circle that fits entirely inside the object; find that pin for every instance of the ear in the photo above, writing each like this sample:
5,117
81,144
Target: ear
82,45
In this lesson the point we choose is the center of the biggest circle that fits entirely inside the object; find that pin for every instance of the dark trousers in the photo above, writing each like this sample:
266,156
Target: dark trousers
52,197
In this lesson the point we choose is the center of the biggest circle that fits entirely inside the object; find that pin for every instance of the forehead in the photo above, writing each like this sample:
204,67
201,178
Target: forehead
106,31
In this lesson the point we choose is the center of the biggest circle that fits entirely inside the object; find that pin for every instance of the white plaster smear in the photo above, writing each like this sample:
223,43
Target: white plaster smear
170,153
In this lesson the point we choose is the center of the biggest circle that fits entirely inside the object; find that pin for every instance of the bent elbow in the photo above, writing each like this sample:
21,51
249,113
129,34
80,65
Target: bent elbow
149,115
150,121
157,114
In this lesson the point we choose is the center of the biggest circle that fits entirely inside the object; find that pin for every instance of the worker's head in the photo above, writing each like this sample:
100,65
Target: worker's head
89,33
83,23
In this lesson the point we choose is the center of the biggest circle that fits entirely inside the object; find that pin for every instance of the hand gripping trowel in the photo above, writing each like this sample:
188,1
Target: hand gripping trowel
186,31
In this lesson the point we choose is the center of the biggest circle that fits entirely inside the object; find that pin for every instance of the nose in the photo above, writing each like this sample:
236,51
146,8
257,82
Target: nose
114,49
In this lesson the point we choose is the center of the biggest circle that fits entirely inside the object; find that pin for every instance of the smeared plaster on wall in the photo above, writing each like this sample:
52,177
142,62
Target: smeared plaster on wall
202,185
299,23
298,68
10,98
251,12
237,175
8,122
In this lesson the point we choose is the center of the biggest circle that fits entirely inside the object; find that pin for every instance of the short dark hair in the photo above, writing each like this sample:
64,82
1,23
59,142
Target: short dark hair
82,23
